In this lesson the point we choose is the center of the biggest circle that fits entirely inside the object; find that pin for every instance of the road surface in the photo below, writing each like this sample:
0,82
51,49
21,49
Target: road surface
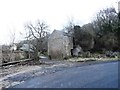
103,75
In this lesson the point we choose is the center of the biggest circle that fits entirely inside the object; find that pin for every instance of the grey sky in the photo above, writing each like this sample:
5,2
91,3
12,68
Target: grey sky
15,13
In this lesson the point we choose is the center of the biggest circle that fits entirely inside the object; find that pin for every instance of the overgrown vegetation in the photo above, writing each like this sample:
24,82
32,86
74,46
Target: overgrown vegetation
37,36
102,34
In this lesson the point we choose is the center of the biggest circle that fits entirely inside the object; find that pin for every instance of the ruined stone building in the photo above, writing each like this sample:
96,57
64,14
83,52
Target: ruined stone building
59,45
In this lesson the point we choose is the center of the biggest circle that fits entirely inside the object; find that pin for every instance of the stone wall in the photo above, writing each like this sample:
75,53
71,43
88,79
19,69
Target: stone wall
19,55
8,56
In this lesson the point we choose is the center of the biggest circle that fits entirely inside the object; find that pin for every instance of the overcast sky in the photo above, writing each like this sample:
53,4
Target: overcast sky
15,13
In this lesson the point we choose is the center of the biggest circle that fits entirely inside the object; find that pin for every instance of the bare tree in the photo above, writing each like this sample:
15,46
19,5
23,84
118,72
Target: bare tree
36,34
106,21
69,28
12,46
12,37
106,27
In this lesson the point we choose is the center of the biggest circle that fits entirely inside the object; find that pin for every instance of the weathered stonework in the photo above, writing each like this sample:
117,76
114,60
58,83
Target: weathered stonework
59,45
7,55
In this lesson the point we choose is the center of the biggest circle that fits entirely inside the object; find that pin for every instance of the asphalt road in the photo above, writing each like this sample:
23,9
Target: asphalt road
103,75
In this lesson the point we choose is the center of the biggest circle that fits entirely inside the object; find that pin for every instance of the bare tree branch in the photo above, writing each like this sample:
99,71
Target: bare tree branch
38,31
